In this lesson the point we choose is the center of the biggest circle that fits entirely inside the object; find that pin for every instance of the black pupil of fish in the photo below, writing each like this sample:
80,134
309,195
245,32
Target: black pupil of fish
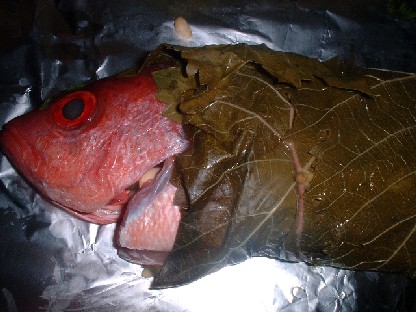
73,109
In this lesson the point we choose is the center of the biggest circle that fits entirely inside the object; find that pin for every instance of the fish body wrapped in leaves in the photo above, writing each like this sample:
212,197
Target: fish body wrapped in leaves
289,158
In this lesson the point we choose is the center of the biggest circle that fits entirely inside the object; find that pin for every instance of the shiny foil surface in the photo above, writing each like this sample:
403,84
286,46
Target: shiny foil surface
51,261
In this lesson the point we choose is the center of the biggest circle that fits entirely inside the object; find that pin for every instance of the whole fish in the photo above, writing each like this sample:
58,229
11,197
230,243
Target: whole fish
96,149
291,158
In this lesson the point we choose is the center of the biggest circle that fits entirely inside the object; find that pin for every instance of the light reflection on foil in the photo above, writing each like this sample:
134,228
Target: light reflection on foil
89,279
21,104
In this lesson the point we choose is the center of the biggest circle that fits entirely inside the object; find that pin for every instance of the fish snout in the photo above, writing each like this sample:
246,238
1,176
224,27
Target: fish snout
11,141
14,145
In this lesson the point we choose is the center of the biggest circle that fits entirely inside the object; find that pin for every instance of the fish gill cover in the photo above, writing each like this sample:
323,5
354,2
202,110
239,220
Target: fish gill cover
292,158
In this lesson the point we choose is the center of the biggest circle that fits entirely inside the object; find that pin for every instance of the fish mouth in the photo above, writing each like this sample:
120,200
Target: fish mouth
147,218
112,211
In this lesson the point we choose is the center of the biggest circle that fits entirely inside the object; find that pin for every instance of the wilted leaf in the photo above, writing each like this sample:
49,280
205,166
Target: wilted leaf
264,118
360,209
172,84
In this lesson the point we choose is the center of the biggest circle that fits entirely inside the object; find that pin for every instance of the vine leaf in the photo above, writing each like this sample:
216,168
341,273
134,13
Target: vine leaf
257,118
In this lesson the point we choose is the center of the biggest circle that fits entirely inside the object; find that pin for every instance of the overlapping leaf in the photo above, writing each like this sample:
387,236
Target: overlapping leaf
353,129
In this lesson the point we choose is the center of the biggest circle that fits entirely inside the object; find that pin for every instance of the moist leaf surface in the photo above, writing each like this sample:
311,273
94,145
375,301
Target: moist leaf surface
353,132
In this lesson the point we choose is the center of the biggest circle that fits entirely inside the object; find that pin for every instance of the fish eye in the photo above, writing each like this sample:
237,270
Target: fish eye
74,109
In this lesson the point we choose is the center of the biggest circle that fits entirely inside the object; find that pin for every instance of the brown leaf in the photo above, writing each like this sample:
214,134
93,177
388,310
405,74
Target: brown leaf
264,117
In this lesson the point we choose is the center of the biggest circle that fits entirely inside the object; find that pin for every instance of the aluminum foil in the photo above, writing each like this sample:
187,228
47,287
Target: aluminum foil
51,261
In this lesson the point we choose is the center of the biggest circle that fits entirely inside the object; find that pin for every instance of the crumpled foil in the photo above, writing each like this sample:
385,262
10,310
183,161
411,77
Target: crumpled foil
51,261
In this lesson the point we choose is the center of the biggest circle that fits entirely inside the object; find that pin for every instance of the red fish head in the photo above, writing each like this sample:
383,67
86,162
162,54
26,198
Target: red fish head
90,146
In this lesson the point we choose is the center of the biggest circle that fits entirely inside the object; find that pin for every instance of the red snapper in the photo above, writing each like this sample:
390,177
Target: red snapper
104,152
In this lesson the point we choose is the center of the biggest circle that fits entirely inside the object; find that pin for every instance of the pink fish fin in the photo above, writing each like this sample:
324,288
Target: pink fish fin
150,222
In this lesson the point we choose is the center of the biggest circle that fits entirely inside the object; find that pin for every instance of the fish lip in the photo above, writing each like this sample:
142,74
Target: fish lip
100,217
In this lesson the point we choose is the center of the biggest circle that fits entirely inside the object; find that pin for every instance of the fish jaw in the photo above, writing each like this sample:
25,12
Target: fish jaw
106,215
148,230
